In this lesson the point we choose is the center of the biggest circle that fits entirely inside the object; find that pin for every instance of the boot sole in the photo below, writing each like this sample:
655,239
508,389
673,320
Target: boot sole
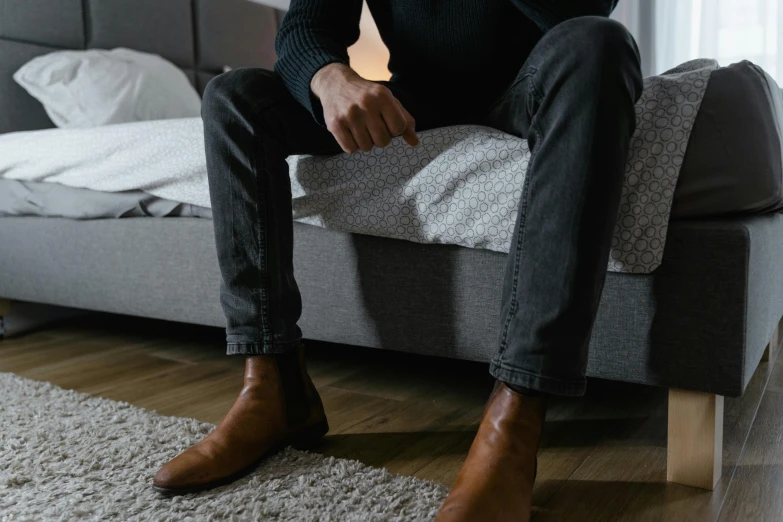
308,439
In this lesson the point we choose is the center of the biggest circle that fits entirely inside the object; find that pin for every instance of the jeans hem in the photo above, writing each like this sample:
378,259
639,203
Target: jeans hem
540,383
260,348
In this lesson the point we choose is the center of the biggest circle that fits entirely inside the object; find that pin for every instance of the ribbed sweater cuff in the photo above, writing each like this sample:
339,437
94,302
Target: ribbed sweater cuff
300,71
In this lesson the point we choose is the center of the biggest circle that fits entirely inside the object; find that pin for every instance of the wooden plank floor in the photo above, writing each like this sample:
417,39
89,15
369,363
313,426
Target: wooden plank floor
603,457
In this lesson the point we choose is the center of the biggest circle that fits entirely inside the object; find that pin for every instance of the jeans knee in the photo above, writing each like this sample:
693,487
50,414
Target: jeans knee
239,90
596,53
217,94
596,35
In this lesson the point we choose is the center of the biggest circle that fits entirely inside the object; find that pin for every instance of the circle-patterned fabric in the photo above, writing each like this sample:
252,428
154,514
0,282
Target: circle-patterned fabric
462,185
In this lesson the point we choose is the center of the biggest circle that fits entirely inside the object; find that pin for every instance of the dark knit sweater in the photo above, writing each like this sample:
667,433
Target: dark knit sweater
441,50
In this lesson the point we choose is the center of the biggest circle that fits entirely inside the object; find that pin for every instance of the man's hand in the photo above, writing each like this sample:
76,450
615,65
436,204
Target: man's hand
359,113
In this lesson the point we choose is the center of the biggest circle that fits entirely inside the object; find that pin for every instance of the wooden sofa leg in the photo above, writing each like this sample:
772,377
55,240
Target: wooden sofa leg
5,309
695,446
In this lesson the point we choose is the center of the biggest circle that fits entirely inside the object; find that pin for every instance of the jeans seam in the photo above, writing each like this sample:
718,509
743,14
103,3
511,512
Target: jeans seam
536,92
263,343
530,71
512,368
559,382
261,259
261,348
520,242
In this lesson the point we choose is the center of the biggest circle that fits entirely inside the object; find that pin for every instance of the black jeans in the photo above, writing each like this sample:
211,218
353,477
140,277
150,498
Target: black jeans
574,102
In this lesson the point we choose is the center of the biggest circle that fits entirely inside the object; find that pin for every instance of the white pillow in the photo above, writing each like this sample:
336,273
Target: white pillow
97,87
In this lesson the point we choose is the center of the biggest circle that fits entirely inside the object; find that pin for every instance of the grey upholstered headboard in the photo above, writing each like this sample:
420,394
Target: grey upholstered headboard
200,36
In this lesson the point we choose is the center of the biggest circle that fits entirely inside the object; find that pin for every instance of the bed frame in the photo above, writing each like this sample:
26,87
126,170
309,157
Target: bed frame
699,325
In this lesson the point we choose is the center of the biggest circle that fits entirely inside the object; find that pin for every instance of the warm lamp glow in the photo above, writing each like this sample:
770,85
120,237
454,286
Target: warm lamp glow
369,56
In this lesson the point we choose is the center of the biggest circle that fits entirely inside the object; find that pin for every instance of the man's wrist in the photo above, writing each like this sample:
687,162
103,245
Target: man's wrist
327,75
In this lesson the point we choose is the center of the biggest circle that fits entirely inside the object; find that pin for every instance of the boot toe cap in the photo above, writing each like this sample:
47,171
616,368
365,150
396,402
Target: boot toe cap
180,473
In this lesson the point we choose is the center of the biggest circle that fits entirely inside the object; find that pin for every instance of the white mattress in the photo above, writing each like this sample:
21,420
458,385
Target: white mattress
460,186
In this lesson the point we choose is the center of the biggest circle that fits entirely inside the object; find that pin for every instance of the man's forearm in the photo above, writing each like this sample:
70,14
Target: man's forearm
329,75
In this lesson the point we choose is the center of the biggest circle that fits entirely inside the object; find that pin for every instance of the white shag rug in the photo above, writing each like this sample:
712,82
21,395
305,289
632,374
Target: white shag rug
66,455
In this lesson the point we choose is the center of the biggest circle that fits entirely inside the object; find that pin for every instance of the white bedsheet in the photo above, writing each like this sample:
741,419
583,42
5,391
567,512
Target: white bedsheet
460,186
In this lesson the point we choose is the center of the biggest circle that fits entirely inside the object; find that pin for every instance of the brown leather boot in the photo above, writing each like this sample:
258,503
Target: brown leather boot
277,407
496,481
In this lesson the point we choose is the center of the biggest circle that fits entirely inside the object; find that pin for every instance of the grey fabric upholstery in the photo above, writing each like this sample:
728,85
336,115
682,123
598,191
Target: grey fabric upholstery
764,291
705,318
152,26
700,322
220,25
57,23
200,36
202,79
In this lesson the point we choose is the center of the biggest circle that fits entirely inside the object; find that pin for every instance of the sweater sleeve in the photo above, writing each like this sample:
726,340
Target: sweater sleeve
314,33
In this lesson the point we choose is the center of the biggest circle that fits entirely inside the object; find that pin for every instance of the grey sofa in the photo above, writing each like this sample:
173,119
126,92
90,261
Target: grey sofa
698,325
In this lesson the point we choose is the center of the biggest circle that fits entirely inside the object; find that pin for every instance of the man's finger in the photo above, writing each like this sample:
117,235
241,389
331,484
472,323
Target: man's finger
362,136
409,135
379,131
345,140
394,118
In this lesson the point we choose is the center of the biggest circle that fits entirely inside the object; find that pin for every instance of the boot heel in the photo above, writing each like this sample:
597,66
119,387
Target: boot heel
311,437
